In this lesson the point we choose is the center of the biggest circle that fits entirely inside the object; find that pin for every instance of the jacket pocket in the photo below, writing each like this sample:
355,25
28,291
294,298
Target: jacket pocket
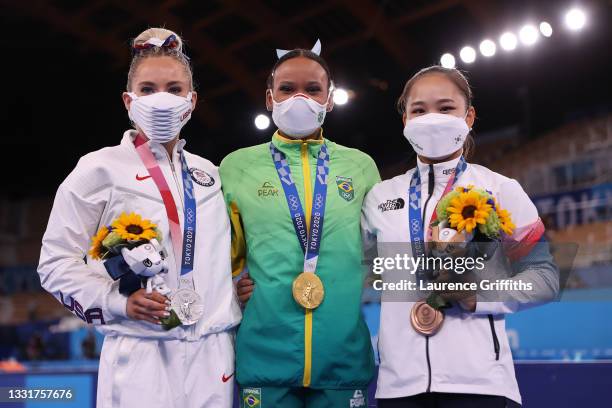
494,336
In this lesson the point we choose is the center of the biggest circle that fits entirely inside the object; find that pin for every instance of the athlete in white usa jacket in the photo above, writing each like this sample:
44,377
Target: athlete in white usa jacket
468,362
112,181
142,364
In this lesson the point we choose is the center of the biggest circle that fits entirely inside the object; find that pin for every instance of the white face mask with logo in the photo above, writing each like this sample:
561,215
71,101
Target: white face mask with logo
436,135
161,115
298,116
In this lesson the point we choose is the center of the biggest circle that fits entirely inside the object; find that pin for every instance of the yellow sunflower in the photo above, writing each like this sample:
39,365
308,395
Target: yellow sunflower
96,243
506,222
460,189
132,227
468,210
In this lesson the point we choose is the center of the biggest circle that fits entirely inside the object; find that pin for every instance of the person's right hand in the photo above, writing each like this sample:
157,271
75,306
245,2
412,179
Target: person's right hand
245,287
147,306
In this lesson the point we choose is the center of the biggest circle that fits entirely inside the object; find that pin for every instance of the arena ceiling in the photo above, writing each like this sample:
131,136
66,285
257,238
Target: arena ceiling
232,42
73,55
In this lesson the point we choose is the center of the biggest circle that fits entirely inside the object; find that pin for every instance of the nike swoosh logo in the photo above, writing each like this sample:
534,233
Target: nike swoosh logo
226,379
142,178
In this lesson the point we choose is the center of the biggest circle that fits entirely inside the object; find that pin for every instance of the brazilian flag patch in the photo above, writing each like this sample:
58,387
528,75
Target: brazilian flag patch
345,187
251,397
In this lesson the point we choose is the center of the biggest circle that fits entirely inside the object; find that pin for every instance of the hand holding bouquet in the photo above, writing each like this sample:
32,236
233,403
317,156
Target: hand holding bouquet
465,216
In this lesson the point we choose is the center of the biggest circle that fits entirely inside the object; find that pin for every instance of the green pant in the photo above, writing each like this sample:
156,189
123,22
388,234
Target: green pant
298,397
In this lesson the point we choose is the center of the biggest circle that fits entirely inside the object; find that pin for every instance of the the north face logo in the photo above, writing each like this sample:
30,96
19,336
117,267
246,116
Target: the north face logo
389,205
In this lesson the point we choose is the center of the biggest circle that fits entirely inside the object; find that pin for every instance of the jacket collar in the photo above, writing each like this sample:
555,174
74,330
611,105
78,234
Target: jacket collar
158,150
293,147
442,171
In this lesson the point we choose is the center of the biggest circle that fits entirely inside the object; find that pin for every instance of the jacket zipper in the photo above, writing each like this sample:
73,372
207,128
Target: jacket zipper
307,312
428,364
430,188
495,339
173,171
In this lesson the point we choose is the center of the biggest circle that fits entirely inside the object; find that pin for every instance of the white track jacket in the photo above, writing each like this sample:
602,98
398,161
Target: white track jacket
470,353
105,184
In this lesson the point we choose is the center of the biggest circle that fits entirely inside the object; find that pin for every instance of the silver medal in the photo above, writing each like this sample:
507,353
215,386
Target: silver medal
187,305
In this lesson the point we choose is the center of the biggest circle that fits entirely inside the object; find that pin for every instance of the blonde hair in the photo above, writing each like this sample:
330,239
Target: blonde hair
142,50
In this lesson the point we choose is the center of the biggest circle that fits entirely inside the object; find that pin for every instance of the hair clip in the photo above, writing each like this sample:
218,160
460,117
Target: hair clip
316,49
171,42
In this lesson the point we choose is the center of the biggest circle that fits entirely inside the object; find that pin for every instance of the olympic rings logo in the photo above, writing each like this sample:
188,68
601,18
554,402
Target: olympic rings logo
190,215
293,202
318,201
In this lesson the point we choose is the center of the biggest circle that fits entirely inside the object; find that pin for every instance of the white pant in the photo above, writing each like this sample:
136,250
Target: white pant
151,373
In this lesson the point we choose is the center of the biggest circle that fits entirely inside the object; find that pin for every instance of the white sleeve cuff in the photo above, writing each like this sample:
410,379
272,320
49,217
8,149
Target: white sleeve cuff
484,307
117,303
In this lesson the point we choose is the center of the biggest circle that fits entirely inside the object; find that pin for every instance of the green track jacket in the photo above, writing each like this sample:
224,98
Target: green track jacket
279,343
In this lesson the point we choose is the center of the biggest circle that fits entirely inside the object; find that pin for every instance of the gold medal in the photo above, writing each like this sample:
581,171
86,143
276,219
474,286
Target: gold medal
425,319
308,290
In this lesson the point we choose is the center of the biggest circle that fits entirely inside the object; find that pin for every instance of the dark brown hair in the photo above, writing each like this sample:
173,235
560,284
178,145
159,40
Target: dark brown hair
457,78
300,52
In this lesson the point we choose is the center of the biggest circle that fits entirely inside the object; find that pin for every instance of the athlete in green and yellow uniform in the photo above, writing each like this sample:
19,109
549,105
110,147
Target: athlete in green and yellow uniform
289,356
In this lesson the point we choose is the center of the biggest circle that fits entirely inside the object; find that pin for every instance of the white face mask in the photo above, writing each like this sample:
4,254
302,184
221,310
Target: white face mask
298,116
436,135
161,115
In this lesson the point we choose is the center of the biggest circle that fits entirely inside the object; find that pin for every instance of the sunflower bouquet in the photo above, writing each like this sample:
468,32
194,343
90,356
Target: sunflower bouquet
475,211
127,231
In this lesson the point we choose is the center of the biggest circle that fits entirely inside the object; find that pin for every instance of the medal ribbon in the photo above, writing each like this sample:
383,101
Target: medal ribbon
415,220
185,240
310,243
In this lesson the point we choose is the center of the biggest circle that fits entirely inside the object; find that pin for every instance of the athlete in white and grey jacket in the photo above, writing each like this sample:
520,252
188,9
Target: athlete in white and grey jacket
468,362
141,363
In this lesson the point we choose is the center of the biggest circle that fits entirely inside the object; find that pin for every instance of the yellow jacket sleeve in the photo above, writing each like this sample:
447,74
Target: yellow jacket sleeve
238,241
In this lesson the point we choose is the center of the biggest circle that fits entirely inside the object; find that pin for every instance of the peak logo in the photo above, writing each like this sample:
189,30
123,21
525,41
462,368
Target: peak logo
389,205
267,189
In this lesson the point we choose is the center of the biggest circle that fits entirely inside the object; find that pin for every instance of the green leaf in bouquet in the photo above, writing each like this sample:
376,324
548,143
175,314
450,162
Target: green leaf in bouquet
441,209
170,322
112,240
436,301
158,235
491,227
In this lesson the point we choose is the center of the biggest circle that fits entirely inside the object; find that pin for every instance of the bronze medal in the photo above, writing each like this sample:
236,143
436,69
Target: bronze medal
308,290
425,319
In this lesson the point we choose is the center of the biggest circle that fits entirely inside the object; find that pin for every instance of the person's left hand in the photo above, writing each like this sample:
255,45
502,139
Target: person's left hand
245,287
